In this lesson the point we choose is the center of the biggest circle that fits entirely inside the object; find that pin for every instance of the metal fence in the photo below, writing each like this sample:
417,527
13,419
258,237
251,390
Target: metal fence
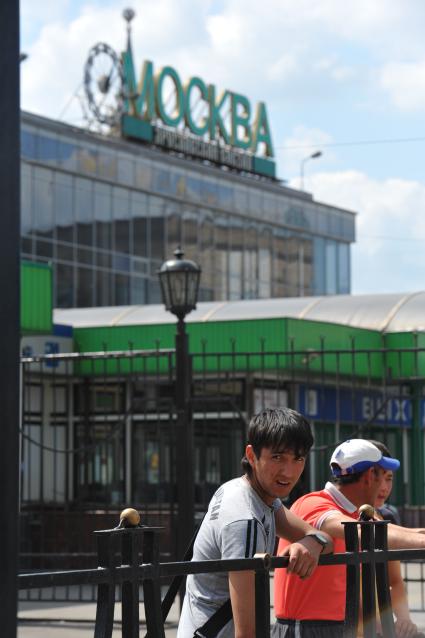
138,549
98,433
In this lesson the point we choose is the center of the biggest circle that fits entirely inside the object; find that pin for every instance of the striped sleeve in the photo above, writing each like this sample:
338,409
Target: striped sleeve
242,539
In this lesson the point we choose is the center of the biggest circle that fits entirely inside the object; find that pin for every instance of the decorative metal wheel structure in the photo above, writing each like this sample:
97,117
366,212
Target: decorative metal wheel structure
103,83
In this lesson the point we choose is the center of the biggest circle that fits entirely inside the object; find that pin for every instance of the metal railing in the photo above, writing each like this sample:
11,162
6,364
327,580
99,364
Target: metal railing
99,429
138,552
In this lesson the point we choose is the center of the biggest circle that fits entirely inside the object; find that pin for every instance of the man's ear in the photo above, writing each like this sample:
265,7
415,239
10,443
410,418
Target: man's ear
369,476
250,454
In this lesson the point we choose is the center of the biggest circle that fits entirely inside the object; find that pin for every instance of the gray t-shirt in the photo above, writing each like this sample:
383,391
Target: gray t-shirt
238,524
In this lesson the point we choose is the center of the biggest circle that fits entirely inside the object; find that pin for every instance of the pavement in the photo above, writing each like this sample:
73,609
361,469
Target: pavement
72,620
44,619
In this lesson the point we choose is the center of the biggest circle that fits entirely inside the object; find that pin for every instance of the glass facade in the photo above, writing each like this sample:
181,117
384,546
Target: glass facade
106,213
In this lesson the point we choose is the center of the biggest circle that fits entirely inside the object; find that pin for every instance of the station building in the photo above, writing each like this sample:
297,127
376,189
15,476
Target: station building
107,209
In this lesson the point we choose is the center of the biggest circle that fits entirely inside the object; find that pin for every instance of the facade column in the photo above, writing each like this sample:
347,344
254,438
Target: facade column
10,314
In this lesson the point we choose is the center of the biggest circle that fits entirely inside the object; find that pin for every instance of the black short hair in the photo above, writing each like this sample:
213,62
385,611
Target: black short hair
347,479
279,429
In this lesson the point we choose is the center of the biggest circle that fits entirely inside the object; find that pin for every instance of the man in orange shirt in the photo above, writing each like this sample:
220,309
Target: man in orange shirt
315,608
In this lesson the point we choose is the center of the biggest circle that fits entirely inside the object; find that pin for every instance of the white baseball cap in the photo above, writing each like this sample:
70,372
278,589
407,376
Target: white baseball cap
358,455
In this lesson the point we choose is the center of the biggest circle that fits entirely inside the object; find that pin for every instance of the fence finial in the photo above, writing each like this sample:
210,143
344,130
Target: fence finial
366,512
129,518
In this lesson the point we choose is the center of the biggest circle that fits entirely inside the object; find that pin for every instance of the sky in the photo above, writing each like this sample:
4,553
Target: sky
346,78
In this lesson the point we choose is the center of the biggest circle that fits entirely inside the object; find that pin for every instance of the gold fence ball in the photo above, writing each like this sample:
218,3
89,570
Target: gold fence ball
130,517
366,512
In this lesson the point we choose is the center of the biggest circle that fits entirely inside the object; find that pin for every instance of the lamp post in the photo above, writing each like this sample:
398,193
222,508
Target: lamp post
314,155
179,279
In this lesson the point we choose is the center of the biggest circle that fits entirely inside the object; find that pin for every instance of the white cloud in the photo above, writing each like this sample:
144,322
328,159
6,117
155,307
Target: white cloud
54,69
258,48
405,83
227,47
282,69
33,15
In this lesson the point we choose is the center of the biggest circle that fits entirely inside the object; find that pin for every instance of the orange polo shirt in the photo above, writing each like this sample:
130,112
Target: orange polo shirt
322,596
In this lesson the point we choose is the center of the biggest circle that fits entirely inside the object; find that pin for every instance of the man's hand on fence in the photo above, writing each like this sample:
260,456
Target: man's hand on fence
303,556
405,628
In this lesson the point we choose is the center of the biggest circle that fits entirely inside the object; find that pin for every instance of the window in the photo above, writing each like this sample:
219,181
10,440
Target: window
208,192
121,214
250,262
270,206
264,263
279,265
193,187
161,180
84,211
240,201
28,143
43,202
26,200
102,215
85,292
174,227
104,288
63,208
255,202
177,183
157,228
319,266
122,290
107,164
236,258
140,216
331,267
64,286
47,148
225,195
125,169
190,233
67,153
343,269
137,290
87,159
143,174
207,254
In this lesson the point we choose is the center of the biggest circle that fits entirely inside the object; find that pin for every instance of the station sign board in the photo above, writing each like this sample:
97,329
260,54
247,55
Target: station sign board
193,118
40,345
348,406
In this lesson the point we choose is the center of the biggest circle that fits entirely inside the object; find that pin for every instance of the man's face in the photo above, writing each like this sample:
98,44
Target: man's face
374,484
385,487
275,472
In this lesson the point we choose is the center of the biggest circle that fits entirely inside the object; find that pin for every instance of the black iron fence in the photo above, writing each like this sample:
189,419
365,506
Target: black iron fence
98,431
129,558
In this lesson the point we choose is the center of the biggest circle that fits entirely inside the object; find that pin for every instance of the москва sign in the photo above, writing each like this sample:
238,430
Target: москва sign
233,139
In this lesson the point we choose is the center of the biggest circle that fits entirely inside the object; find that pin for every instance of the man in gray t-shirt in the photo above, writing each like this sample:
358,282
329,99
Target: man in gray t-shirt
243,519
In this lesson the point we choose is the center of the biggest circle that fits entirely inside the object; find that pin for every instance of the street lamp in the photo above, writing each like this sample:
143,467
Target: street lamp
314,155
179,279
